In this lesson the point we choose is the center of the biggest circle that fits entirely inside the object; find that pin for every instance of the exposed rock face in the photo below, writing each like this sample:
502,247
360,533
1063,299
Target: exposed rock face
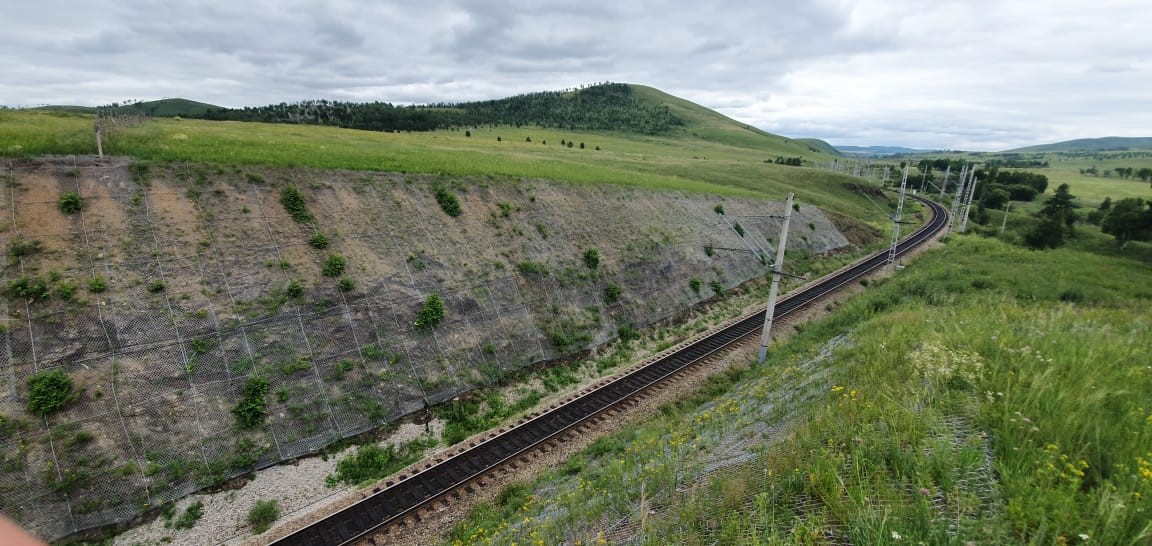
199,260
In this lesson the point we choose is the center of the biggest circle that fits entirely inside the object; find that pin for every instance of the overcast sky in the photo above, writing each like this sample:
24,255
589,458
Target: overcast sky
975,75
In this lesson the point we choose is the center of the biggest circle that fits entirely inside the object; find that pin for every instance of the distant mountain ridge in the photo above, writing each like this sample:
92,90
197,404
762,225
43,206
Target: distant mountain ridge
878,150
1103,144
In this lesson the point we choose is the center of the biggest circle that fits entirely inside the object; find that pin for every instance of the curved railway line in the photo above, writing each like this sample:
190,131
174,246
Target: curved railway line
404,498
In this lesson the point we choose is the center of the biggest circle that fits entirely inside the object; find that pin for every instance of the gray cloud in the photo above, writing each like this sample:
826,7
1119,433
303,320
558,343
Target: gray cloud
980,75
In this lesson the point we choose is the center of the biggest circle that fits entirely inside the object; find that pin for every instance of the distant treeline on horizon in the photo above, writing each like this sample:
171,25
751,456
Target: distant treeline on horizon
603,107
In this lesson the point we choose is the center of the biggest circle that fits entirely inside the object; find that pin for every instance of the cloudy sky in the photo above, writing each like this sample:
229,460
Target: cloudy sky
975,75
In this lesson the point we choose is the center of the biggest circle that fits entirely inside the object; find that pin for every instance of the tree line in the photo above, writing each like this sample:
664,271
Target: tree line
604,107
1143,173
1126,220
994,187
1002,186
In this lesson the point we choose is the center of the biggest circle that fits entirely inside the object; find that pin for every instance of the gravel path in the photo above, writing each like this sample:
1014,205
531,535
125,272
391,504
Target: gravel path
298,488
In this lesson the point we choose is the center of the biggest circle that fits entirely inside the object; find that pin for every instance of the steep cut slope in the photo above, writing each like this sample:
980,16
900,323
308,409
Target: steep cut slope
205,332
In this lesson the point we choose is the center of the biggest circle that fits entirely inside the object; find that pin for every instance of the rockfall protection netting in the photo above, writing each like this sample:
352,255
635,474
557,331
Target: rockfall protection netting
197,260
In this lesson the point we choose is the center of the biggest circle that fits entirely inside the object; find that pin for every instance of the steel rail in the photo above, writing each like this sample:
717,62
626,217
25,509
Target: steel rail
405,497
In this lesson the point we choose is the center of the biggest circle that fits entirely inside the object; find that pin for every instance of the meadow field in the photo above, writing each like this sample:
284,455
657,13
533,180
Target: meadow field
1093,189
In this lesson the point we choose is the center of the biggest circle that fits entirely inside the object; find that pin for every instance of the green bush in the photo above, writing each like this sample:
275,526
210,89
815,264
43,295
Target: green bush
718,208
199,346
448,201
739,228
592,258
432,313
262,514
251,410
341,369
717,287
369,463
333,266
48,391
19,247
695,285
294,290
66,289
294,203
190,516
97,284
416,261
346,285
528,267
611,293
156,286
29,287
318,241
70,203
628,332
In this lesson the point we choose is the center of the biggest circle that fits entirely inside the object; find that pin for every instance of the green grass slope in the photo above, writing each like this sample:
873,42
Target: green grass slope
712,154
987,395
821,146
712,126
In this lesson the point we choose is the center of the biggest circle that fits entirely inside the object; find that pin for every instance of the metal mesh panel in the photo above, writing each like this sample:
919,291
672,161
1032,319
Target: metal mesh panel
73,334
195,305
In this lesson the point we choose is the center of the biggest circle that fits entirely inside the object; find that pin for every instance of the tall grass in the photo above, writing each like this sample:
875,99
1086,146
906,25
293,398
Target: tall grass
988,394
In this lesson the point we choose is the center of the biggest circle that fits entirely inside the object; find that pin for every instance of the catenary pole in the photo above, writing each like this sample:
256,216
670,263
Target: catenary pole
763,354
897,217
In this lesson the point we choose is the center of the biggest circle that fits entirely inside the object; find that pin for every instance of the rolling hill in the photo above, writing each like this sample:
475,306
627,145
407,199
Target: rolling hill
165,108
612,107
1104,144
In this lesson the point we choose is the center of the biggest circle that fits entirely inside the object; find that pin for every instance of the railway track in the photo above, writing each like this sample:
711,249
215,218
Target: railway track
404,498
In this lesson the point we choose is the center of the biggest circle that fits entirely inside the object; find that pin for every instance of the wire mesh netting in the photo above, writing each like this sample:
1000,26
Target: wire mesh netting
172,287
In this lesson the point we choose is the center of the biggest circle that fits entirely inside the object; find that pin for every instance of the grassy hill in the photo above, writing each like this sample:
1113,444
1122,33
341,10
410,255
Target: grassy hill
158,108
1105,144
709,153
822,146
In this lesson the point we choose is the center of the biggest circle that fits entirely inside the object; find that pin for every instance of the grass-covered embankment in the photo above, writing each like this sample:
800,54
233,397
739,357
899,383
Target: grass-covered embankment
987,394
682,162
